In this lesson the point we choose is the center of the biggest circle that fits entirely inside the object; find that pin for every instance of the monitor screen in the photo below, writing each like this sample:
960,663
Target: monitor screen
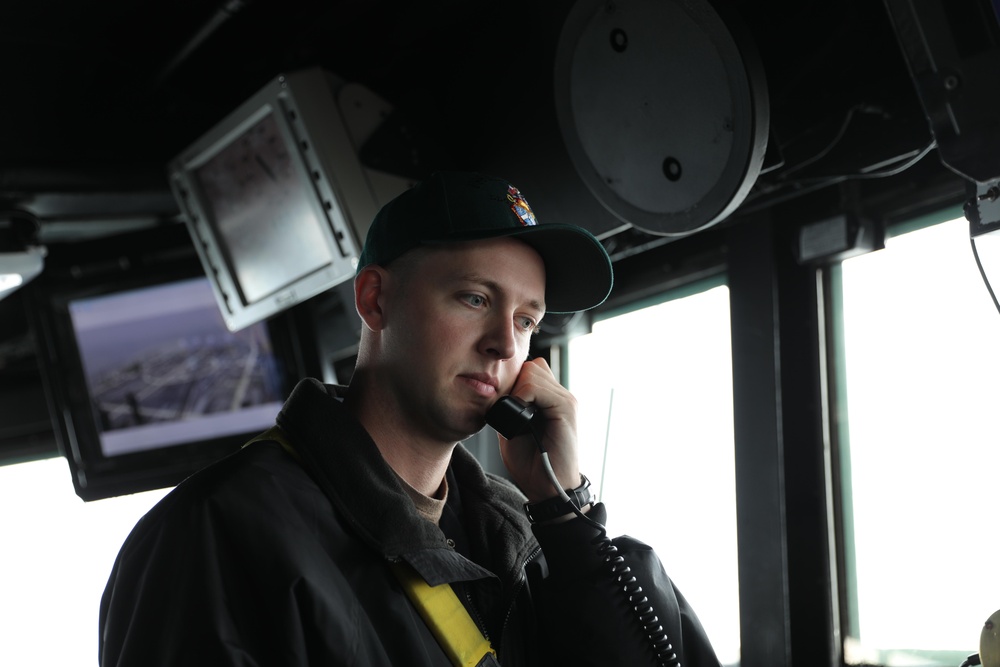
263,212
144,381
275,197
162,369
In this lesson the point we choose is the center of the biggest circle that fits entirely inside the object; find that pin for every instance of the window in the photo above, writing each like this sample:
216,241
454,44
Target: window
917,369
58,552
656,427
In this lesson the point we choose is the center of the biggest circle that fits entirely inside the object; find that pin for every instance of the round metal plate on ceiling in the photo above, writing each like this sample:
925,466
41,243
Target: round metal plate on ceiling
664,115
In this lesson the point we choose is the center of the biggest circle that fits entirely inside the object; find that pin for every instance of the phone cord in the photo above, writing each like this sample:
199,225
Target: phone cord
644,612
621,574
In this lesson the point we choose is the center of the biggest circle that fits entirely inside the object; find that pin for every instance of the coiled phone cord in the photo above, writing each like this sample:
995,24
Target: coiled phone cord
622,576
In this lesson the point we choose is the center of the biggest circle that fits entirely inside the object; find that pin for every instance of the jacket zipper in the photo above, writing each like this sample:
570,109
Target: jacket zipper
520,584
477,618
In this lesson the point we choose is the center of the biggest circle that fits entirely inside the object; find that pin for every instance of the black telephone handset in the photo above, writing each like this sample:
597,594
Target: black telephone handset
512,417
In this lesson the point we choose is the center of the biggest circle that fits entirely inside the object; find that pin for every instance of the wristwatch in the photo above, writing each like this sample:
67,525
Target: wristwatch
551,508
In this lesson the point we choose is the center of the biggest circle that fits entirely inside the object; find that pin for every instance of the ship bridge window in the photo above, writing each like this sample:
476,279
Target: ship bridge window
655,390
916,366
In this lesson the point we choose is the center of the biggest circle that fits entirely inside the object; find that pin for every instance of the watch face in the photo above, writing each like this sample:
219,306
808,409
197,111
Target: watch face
261,207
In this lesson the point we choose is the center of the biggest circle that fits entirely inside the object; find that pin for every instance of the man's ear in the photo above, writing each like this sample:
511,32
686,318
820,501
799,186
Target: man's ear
369,290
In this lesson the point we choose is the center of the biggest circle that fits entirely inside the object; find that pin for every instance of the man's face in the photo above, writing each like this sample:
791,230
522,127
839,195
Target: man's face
458,326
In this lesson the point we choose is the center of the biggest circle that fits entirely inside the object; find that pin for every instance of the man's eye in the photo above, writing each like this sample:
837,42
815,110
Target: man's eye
475,300
528,324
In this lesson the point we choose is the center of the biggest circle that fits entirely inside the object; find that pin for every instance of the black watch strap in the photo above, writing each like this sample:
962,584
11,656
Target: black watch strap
552,508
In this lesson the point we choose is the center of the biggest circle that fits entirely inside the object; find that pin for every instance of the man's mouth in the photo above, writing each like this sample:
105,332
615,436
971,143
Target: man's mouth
483,383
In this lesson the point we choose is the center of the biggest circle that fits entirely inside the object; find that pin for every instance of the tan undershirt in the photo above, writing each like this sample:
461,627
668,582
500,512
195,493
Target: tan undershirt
427,507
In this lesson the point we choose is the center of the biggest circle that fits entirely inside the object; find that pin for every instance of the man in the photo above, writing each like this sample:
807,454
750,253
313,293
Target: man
320,542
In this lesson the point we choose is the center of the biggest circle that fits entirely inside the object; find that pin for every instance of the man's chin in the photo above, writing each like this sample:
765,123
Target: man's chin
463,429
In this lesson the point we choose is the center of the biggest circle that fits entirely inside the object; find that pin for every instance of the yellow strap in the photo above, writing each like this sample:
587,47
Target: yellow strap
440,608
447,618
277,435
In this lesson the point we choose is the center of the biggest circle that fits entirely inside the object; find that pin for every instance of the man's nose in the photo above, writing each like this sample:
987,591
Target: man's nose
500,339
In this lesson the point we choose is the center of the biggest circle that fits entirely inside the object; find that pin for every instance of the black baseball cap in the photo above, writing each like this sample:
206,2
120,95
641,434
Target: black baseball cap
454,206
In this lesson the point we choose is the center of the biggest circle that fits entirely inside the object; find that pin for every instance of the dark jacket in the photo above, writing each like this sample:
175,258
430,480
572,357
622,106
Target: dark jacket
263,559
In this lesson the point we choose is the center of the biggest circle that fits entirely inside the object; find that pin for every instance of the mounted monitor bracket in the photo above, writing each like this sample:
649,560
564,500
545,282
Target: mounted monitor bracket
952,50
275,197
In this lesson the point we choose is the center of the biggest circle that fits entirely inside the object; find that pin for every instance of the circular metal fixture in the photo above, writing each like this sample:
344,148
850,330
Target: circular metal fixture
664,114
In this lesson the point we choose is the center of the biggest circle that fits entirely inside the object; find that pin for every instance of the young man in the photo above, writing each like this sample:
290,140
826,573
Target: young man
319,542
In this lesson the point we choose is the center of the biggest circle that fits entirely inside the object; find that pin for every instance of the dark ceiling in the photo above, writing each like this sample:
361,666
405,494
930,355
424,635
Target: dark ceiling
101,95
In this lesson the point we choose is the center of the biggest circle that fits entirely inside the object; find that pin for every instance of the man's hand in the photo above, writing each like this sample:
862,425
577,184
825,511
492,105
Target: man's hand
537,384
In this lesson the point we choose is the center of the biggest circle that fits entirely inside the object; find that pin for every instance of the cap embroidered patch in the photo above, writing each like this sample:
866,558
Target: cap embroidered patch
519,205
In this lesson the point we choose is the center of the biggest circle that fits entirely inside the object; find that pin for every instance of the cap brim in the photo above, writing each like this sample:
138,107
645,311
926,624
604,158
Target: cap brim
578,272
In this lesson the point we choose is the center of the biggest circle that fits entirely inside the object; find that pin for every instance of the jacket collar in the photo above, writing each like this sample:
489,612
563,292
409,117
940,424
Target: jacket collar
346,464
